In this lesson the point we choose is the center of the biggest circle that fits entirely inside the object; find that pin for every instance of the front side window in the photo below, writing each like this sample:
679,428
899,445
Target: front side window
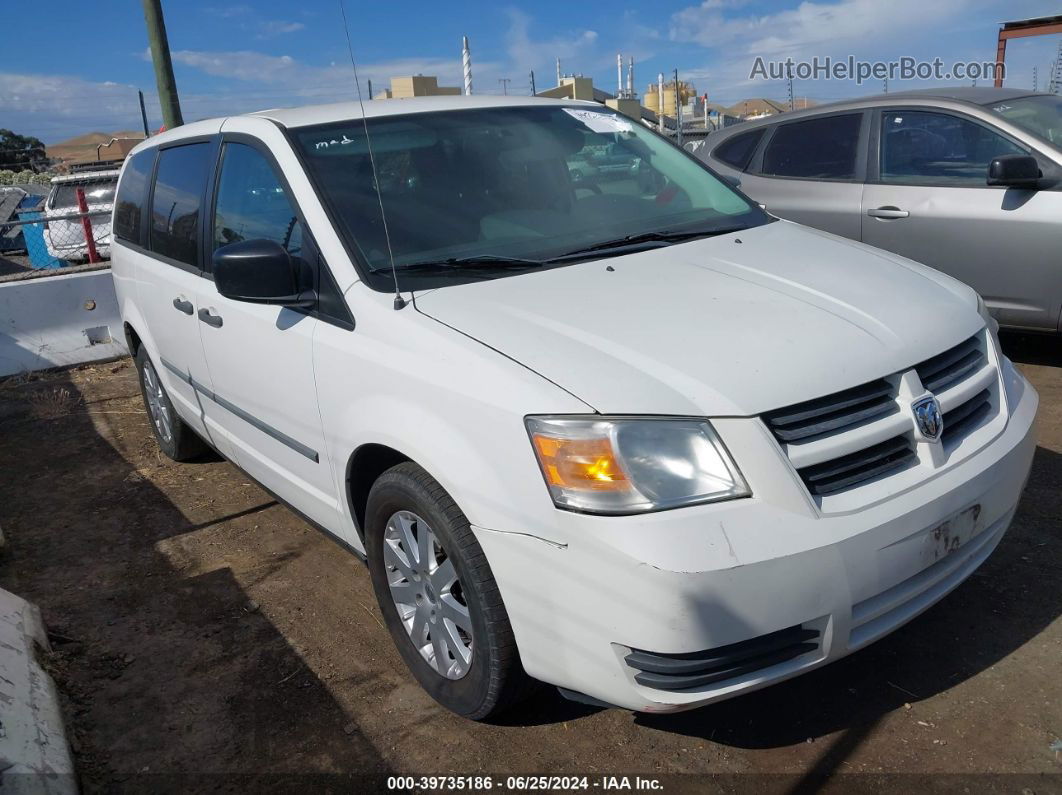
532,183
1040,115
132,194
919,147
251,202
823,148
738,151
177,202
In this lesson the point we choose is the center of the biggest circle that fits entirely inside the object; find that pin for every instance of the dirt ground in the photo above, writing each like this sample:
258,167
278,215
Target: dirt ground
204,637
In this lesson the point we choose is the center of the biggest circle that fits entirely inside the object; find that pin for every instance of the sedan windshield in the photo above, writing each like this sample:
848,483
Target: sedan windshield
1040,115
485,193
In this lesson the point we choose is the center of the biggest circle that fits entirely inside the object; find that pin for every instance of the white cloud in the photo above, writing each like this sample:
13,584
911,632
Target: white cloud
526,53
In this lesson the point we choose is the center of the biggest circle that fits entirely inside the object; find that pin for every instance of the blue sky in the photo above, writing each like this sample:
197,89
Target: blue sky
235,57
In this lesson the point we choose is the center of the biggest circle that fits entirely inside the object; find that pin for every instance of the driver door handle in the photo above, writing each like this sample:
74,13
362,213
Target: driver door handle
210,319
182,305
887,212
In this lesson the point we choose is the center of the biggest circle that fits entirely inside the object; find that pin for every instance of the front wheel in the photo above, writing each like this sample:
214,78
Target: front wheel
175,438
438,596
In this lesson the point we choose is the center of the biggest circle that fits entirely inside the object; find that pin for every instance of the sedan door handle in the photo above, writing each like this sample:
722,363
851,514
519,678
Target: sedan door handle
888,212
182,305
209,319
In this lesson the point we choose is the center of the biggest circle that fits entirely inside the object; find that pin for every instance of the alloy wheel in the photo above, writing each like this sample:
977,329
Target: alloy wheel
427,594
156,402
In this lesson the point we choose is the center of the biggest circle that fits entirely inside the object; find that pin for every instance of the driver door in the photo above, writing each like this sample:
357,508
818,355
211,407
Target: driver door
926,198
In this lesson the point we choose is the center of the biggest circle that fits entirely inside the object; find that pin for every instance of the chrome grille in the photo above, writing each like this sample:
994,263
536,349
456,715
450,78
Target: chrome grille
861,434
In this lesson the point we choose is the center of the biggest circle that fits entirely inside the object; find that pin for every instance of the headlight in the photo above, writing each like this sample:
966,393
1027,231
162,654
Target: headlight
991,322
632,465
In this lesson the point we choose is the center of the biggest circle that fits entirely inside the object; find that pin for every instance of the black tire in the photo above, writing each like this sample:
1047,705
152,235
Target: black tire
495,679
183,443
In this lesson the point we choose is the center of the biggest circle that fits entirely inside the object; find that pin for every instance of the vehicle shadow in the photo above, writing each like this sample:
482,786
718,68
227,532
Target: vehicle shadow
171,680
1006,603
1042,349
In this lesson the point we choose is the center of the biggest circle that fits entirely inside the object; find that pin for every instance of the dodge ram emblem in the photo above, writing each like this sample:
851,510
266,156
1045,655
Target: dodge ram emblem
928,417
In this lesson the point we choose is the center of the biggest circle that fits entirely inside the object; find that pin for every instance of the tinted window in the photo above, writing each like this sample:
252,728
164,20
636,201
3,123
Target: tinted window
815,149
176,204
252,204
920,147
131,196
737,152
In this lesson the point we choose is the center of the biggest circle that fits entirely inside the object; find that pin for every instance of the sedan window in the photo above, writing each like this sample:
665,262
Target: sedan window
919,147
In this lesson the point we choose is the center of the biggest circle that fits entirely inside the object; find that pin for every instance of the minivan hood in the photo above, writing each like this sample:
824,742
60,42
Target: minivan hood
732,325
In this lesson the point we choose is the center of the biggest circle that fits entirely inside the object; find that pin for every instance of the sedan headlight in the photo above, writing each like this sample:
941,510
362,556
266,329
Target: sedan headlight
627,465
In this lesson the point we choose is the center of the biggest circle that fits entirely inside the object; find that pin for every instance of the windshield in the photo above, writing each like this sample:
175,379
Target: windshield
100,191
1040,115
527,183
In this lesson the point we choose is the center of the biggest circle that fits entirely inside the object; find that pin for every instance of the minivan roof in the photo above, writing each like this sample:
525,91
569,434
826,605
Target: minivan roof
344,111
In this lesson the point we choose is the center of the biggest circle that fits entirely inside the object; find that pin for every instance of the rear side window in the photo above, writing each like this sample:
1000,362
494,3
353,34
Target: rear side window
176,205
131,196
737,151
822,148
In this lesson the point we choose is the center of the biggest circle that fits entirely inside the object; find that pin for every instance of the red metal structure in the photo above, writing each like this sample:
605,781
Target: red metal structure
86,225
1020,28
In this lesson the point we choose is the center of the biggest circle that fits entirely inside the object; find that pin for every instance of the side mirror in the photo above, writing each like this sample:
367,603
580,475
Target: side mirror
258,272
1014,171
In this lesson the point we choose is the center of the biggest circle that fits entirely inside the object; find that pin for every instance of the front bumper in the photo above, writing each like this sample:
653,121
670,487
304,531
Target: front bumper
681,582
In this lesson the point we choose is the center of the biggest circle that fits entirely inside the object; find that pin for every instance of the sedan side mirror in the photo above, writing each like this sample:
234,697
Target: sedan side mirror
259,272
1014,171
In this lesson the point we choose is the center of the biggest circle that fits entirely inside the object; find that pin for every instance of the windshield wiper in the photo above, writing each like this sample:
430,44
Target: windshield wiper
456,264
663,238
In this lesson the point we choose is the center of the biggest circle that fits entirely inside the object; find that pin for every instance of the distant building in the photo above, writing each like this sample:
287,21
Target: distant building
417,86
651,101
756,107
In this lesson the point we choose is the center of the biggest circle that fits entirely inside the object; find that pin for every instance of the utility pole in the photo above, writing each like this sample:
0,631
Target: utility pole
505,84
160,56
533,91
678,111
143,113
886,85
370,88
1034,78
789,76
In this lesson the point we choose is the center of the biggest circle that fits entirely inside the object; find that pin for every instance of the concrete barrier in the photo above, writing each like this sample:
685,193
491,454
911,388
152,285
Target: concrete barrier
34,752
50,319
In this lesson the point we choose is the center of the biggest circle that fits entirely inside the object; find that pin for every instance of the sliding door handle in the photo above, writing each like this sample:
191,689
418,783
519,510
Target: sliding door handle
210,319
887,212
182,305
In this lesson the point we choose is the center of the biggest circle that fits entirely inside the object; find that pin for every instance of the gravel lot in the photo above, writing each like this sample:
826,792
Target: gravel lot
205,637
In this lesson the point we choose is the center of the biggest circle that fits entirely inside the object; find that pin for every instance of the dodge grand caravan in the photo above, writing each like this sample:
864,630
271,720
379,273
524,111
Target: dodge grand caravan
634,437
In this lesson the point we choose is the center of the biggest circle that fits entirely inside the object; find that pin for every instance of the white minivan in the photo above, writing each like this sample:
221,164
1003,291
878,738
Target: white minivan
632,437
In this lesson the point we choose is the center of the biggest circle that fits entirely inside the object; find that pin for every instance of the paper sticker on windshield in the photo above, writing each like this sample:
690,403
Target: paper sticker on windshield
600,122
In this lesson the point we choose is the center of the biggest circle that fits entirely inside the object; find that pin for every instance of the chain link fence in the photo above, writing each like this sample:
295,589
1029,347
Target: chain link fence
34,237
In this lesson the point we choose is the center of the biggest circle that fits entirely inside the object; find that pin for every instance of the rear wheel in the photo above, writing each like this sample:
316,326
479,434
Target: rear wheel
175,438
438,595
